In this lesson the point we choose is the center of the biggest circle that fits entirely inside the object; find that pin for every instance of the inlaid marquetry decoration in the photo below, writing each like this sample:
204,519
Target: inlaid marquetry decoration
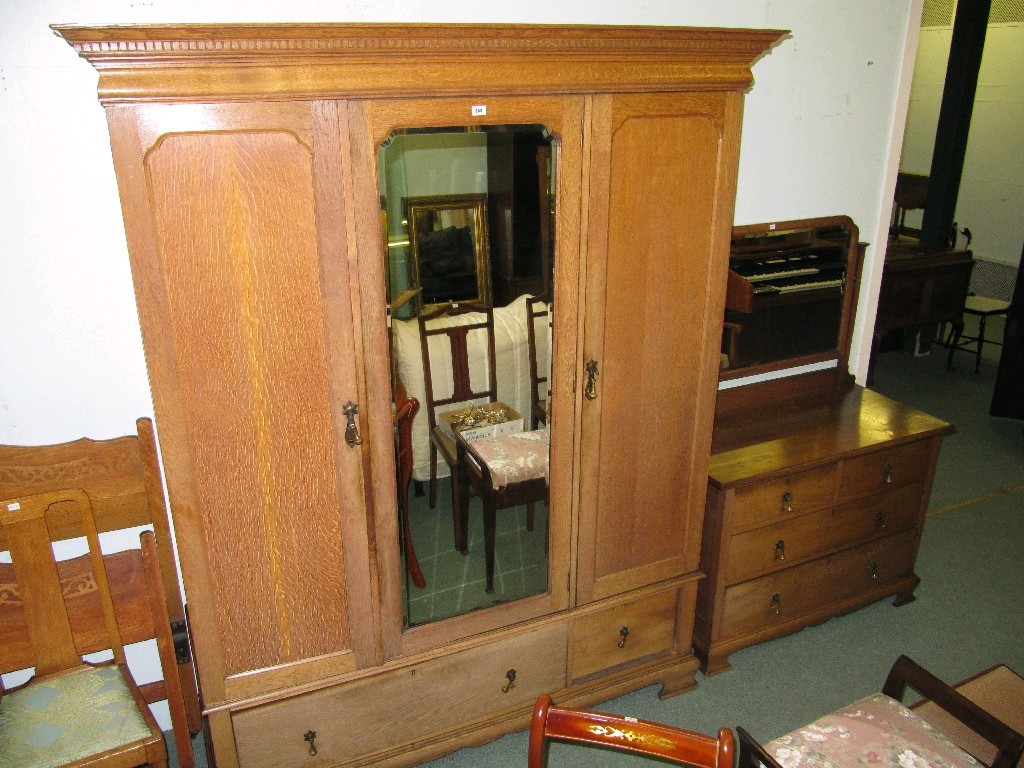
632,737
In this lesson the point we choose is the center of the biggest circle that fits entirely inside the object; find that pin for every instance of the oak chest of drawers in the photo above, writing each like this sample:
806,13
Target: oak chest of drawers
810,515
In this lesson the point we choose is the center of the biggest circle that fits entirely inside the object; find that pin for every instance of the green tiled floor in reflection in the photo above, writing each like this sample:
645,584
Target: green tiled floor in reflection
456,582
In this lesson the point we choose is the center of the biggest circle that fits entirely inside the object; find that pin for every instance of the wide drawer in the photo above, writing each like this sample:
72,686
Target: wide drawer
359,718
629,632
774,547
774,500
794,592
885,470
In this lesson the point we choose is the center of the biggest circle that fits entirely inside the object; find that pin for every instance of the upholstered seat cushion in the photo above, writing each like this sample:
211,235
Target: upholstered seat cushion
875,732
514,458
68,717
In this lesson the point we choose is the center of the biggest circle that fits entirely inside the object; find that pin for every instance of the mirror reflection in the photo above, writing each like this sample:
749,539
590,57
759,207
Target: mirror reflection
468,217
786,293
448,247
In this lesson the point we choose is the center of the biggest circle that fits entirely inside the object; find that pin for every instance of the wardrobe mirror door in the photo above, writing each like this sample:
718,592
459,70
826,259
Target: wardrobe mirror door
467,215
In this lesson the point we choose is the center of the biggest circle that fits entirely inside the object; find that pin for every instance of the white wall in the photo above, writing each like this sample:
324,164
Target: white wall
817,140
991,193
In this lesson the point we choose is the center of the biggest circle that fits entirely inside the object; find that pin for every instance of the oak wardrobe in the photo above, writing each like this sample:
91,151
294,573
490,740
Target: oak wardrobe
247,159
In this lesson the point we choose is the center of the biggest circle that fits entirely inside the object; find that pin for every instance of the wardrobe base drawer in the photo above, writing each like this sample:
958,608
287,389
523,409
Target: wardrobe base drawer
782,596
400,706
628,632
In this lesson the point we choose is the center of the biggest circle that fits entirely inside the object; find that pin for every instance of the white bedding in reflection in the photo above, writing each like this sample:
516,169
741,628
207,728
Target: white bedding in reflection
512,358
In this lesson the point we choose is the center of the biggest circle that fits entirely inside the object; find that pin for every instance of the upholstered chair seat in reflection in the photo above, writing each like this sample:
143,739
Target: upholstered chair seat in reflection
505,471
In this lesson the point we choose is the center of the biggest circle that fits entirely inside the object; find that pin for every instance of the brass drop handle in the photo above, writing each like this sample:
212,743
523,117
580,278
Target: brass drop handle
887,473
352,436
780,549
880,521
591,389
777,604
510,676
310,736
787,502
623,636
873,568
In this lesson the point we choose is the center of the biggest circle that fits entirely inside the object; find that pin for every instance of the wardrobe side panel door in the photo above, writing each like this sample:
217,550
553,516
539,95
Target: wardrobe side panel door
226,259
653,304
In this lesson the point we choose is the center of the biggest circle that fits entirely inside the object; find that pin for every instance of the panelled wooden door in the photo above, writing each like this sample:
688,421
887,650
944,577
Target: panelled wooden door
242,280
661,194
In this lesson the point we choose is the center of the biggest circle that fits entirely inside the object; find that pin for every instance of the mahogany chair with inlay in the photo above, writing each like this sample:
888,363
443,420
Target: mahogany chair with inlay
122,479
626,734
406,409
445,333
69,712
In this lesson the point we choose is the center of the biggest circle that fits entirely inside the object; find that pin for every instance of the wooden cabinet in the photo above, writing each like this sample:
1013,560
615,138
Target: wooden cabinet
246,159
810,515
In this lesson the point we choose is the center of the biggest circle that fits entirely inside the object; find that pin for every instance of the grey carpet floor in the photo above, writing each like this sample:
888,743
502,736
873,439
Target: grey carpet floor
967,616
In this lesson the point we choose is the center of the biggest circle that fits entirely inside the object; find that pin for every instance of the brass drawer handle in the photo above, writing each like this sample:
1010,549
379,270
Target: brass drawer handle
623,636
787,502
887,473
873,568
352,436
780,550
777,604
510,676
310,736
880,521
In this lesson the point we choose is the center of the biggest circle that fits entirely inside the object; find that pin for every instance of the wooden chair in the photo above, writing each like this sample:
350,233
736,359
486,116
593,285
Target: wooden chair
505,471
537,309
880,723
911,194
627,734
123,481
454,336
983,308
69,712
406,409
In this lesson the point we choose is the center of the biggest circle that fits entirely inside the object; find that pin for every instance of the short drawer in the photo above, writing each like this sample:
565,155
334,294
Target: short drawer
629,632
773,500
885,470
789,594
401,706
774,547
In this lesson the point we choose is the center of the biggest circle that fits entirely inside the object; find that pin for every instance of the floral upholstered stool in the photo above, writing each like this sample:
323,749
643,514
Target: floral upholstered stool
880,731
505,471
875,731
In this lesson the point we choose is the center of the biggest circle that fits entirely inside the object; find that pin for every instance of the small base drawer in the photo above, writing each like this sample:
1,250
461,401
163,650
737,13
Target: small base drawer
397,707
783,596
622,634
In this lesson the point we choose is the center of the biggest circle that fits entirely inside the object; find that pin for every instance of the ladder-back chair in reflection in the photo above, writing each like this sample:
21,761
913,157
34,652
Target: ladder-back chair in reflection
538,313
123,481
662,742
70,711
445,333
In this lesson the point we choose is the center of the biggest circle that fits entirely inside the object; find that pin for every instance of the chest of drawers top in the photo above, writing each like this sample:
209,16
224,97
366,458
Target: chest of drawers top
859,422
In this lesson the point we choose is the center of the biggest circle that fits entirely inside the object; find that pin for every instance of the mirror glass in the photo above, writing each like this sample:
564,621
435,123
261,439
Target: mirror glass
467,215
788,287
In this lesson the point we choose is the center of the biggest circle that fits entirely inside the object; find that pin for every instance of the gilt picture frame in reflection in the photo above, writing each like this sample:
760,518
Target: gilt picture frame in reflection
448,244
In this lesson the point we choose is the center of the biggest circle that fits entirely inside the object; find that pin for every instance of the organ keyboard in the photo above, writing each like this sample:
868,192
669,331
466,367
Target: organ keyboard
785,298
